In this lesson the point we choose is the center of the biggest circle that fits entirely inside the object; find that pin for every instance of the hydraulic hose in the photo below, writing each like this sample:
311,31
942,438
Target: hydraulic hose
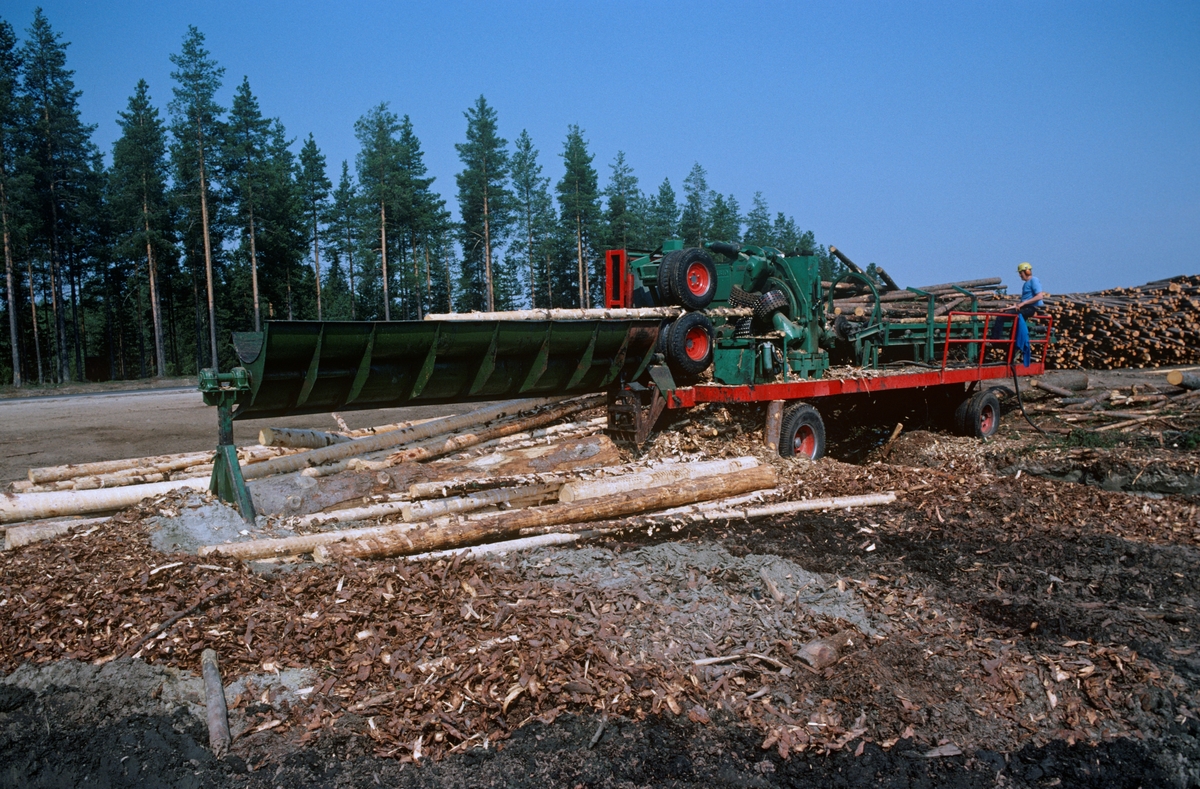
1013,366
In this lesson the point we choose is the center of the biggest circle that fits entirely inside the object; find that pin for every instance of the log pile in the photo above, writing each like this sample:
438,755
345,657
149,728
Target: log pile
1152,325
854,301
1152,409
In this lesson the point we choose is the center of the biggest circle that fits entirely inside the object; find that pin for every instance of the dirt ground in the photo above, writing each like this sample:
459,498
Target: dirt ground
1023,615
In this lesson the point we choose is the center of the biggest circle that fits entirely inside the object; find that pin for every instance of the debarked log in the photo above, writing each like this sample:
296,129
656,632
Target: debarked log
33,506
656,477
411,541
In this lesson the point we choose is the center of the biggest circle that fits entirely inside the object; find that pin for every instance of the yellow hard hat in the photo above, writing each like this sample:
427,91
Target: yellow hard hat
1024,267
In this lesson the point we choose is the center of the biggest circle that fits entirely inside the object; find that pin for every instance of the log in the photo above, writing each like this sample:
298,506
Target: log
394,438
40,476
216,712
457,486
1186,380
500,526
21,534
773,426
300,544
504,546
434,508
297,438
667,474
1045,387
1074,380
35,506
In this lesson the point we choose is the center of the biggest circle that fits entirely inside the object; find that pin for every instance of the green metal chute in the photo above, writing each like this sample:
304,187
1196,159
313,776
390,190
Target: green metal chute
305,367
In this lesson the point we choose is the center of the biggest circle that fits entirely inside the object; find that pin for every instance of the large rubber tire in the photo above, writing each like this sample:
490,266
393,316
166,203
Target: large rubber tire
982,417
960,417
694,279
802,433
690,345
770,303
667,297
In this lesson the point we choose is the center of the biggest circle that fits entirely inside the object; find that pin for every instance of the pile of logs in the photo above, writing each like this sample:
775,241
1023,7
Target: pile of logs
1156,324
1169,405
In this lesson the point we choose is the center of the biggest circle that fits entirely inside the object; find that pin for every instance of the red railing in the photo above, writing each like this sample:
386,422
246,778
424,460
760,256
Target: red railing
1009,345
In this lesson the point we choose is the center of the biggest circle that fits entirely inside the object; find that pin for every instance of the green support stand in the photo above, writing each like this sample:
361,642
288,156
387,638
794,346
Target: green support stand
222,390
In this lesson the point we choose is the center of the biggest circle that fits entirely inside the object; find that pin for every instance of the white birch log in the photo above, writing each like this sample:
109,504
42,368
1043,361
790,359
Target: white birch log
40,476
676,472
34,506
20,534
434,508
299,438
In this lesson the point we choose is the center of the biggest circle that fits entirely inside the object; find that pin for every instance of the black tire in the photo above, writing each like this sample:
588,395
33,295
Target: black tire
664,333
740,298
982,417
770,303
694,279
666,278
690,345
960,418
802,433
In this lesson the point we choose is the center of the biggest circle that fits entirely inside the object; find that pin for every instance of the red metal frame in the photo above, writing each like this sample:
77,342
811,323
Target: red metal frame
824,387
618,282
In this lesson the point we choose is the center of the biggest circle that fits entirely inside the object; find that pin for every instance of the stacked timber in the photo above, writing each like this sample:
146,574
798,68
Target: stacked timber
857,304
1151,325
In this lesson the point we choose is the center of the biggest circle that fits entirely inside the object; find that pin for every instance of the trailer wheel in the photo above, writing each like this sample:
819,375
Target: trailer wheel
802,433
982,417
666,278
960,418
694,280
690,344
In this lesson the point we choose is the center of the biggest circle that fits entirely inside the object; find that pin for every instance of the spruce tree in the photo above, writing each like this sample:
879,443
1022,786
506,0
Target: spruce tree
60,160
697,200
758,223
195,118
342,227
579,212
422,216
663,215
379,177
622,218
284,237
533,219
139,201
484,205
243,160
314,192
11,114
724,219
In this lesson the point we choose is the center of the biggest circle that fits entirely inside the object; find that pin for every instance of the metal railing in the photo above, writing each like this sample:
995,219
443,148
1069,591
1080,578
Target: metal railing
1043,323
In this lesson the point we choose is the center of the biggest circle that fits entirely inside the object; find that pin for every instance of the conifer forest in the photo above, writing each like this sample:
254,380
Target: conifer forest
203,219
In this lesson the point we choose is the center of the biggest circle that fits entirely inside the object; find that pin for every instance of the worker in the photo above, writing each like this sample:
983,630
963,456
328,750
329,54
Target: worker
1032,299
1032,294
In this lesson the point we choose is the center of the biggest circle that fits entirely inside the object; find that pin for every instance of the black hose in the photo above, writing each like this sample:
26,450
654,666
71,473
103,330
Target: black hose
1013,366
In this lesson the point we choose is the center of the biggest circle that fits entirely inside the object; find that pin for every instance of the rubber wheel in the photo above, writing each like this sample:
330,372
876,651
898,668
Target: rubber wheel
960,418
690,345
694,279
664,333
802,433
667,296
770,303
982,417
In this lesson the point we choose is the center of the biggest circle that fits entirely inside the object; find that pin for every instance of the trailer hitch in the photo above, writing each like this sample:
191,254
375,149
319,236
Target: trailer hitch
222,390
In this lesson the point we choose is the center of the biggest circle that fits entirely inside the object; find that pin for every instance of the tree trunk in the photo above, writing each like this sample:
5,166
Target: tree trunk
76,286
403,540
160,356
208,268
387,307
317,262
584,295
350,271
254,267
13,333
37,343
416,261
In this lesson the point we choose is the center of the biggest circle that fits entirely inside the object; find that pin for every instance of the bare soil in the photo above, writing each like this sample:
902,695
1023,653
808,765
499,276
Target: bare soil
1007,629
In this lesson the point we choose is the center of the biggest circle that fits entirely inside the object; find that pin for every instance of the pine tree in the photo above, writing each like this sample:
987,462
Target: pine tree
284,236
483,204
243,160
61,155
11,113
697,200
664,215
533,219
379,177
622,222
314,192
342,227
758,223
139,201
195,118
579,211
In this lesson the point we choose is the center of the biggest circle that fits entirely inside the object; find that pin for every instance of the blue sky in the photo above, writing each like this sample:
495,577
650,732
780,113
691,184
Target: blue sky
942,141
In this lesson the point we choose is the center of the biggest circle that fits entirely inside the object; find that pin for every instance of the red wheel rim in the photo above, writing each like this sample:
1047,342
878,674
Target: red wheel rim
696,343
987,420
698,280
804,443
